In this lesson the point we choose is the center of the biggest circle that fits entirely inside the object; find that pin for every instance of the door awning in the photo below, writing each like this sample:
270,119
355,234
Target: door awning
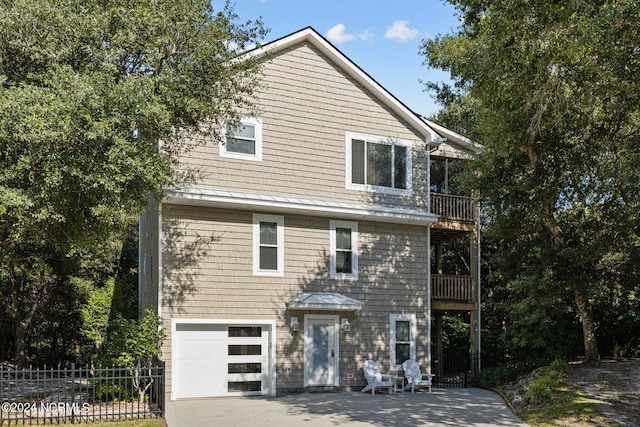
324,301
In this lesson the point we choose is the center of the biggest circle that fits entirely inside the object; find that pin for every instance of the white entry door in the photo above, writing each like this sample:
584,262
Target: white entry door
321,350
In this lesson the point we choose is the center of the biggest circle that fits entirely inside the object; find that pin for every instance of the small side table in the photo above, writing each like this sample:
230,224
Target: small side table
398,383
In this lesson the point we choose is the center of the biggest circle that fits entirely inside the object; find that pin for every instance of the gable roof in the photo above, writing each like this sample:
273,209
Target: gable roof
431,134
453,137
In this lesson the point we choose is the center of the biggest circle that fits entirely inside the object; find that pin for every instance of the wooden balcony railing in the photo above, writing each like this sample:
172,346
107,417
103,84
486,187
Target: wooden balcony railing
452,287
457,208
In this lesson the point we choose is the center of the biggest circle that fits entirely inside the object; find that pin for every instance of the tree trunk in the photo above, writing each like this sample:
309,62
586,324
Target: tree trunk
585,309
22,320
19,344
588,327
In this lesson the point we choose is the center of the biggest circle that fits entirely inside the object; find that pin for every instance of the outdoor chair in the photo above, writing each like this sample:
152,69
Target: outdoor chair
415,378
375,379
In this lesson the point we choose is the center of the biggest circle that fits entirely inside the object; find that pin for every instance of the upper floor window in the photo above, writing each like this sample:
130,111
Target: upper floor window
243,141
378,164
343,263
268,245
446,174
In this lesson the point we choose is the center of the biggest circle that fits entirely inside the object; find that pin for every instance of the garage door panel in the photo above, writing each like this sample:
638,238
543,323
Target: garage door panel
194,328
221,360
202,369
202,350
193,387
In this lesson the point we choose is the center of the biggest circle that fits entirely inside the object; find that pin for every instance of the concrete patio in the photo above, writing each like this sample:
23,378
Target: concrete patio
443,407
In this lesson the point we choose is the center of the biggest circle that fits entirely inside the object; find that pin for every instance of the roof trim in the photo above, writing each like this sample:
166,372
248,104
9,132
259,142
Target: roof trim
324,301
312,36
232,199
454,137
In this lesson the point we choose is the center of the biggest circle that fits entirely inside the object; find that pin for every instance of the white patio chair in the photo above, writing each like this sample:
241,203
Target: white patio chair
415,378
375,379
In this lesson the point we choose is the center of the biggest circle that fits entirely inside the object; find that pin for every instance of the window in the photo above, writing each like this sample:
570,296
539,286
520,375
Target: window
343,262
378,164
245,331
244,349
446,174
268,245
243,141
403,339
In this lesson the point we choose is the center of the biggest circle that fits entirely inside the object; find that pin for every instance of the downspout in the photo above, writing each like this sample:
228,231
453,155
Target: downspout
429,301
159,257
478,320
159,254
430,144
141,261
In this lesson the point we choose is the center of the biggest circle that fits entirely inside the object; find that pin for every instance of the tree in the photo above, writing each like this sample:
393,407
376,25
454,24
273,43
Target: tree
133,345
90,89
96,314
557,104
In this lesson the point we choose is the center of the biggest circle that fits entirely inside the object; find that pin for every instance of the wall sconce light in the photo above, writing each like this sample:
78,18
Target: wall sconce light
295,325
345,325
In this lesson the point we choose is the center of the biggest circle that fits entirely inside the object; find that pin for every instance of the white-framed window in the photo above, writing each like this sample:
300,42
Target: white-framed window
268,245
343,244
378,164
403,339
243,141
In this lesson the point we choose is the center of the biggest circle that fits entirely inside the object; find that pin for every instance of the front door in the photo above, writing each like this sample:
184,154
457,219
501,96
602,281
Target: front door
321,350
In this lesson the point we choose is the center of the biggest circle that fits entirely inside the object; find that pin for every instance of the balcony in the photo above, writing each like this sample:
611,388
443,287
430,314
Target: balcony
452,287
452,292
453,208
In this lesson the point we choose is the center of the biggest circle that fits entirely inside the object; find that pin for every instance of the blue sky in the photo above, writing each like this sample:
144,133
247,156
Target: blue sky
380,36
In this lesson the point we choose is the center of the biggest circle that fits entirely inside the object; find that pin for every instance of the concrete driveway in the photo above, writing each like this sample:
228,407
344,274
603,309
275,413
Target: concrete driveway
443,407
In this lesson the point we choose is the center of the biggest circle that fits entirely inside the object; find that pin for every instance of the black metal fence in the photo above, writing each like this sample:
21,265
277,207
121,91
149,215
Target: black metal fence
80,395
461,369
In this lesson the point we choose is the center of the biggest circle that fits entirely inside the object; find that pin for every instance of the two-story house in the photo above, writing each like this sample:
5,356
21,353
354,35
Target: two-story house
301,245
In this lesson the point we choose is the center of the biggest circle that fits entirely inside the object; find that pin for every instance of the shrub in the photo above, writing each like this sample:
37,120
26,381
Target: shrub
559,366
500,375
542,388
133,345
109,389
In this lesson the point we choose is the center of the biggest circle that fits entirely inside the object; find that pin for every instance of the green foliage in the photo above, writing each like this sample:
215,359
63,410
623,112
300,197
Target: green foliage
542,388
95,314
90,92
618,317
455,333
131,342
125,292
495,377
549,88
559,366
108,389
132,345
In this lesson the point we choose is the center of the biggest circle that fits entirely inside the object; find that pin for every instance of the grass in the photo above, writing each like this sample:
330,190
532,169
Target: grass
541,389
153,422
149,422
551,399
555,400
562,403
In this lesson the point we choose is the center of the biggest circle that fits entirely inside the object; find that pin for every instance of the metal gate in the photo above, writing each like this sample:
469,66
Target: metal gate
456,369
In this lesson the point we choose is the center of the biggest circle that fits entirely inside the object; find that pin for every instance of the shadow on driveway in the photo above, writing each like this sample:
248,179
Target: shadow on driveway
443,407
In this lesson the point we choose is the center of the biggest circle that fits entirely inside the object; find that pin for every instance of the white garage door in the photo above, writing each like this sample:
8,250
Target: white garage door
221,360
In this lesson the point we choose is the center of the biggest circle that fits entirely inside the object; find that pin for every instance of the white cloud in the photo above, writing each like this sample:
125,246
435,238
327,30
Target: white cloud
338,34
400,31
366,35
